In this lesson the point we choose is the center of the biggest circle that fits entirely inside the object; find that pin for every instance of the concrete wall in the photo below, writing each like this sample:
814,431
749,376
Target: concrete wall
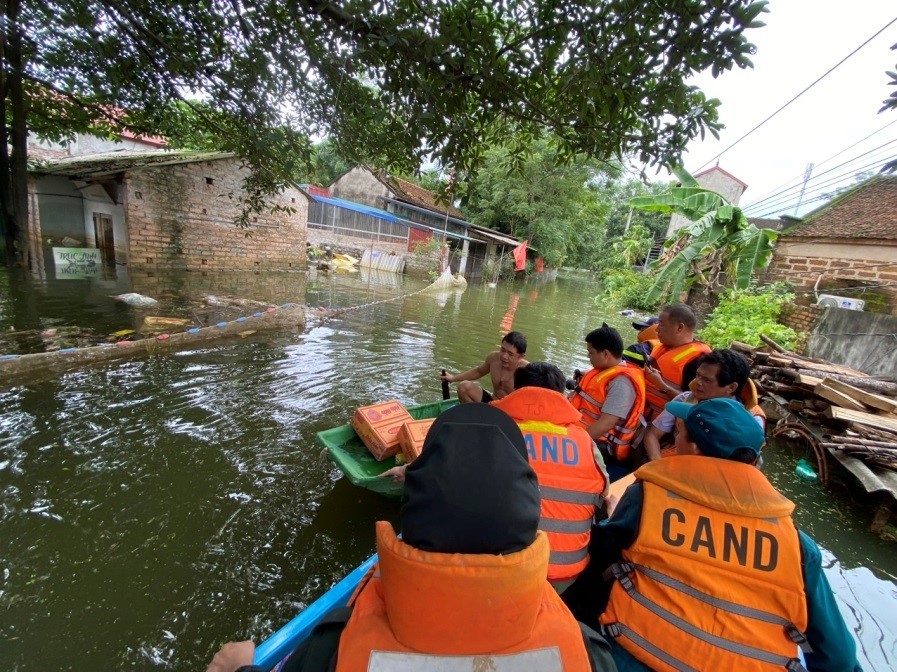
801,261
714,180
182,217
96,200
360,186
864,341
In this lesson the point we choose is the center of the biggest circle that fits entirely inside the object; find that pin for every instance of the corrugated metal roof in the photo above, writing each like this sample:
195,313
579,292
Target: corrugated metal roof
357,207
388,216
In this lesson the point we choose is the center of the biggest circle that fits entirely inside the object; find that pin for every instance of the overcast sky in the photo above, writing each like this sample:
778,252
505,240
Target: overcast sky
803,39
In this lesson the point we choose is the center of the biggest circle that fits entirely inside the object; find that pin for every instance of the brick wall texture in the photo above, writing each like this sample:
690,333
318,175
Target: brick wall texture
181,217
802,272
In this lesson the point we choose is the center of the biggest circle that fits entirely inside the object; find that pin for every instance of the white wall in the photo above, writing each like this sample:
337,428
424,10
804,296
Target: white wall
97,200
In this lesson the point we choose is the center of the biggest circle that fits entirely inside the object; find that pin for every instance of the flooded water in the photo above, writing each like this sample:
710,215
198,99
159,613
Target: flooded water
153,509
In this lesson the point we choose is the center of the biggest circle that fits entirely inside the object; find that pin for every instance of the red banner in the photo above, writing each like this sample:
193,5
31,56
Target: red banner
520,256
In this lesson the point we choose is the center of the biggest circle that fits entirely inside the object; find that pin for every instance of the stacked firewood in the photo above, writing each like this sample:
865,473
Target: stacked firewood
856,413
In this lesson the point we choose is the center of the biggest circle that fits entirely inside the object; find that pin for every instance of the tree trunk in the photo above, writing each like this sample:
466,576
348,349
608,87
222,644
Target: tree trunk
14,189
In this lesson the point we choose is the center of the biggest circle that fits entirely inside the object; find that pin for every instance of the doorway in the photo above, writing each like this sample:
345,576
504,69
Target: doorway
102,229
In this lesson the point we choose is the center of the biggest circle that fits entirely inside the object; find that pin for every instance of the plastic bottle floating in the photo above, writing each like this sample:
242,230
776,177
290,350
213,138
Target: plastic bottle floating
805,471
221,325
163,337
193,330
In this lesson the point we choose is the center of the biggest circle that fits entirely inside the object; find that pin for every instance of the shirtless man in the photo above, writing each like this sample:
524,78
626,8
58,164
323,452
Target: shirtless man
501,365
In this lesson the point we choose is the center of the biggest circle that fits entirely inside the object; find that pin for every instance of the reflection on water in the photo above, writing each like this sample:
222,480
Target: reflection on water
154,509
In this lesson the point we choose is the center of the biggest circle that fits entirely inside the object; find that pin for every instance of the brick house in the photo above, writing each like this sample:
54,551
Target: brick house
404,215
164,209
847,247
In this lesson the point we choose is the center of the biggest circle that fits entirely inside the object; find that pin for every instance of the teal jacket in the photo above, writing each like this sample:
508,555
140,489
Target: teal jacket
834,648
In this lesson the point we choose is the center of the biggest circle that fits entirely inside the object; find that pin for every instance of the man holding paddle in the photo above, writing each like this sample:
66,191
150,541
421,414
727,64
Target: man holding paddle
500,365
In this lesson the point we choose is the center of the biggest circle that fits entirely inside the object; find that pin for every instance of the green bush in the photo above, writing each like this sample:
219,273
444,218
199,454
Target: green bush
742,315
629,288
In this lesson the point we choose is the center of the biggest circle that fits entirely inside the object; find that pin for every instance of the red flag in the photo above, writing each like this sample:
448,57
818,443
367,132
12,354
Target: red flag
540,264
520,256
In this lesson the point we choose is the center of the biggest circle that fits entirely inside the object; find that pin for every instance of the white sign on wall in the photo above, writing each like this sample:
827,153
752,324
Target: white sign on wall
76,262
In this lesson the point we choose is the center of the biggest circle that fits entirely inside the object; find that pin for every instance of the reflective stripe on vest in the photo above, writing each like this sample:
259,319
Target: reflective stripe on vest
567,557
565,526
571,496
548,659
621,435
621,571
715,545
670,365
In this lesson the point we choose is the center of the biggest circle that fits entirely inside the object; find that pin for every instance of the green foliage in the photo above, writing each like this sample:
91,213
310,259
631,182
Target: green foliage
546,200
499,268
396,82
634,245
719,248
629,289
744,314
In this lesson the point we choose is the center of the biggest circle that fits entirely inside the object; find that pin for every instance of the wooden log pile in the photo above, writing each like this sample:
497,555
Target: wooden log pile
856,412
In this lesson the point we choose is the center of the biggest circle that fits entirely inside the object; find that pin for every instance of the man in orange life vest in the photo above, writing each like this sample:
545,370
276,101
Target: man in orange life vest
704,565
571,473
664,374
720,373
468,579
611,398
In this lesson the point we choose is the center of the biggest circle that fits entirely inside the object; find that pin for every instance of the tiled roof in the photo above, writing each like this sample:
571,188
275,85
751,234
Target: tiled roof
407,191
724,172
868,211
110,163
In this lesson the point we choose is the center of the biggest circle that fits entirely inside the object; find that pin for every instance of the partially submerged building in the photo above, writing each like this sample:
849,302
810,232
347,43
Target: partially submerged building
369,209
160,209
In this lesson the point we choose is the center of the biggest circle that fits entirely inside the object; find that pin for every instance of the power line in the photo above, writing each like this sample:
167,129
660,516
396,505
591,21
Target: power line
784,193
823,188
787,201
785,184
822,197
819,79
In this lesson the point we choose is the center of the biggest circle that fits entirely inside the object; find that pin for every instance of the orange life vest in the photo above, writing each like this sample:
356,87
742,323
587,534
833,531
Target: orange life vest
590,395
425,611
649,335
671,363
572,486
713,580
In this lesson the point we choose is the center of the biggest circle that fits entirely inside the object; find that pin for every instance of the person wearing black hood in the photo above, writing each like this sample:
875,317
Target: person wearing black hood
469,578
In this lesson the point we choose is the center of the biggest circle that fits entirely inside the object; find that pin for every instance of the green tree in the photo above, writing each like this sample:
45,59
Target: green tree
395,80
544,200
634,245
719,248
618,194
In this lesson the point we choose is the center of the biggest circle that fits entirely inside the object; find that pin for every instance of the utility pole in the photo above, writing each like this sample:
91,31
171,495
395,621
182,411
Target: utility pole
803,187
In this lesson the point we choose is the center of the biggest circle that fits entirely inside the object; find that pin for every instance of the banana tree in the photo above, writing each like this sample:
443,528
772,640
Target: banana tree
718,249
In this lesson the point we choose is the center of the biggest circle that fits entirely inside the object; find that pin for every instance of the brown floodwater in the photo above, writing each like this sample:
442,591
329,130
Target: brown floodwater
152,509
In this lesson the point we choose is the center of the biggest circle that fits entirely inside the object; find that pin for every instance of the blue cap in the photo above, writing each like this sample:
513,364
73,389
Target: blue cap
719,427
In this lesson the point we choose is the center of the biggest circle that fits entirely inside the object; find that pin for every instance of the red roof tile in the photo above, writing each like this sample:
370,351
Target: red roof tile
868,211
407,191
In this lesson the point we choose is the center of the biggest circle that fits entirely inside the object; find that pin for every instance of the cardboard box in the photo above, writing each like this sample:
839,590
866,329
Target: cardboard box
411,437
378,426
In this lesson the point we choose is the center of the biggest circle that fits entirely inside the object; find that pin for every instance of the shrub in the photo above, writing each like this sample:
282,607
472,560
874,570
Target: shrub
744,314
629,288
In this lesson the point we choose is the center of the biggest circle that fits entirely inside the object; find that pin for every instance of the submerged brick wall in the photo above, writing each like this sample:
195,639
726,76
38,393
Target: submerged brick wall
182,217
